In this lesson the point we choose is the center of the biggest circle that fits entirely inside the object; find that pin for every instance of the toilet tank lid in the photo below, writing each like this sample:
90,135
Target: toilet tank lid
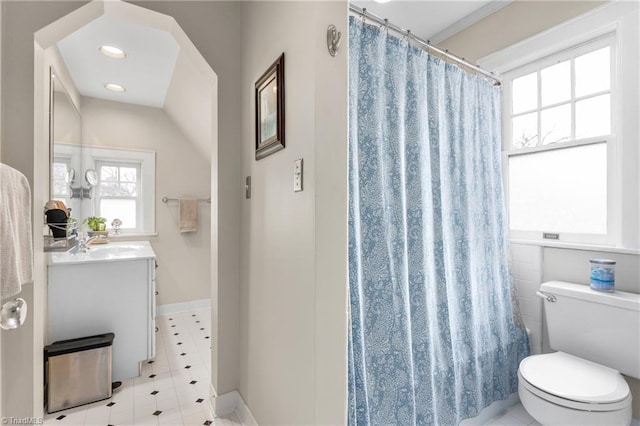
621,299
573,378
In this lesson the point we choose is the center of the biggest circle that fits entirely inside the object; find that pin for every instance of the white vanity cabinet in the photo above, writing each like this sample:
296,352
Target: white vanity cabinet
109,288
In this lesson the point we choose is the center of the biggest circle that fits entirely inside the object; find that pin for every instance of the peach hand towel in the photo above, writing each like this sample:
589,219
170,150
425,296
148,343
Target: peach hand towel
188,215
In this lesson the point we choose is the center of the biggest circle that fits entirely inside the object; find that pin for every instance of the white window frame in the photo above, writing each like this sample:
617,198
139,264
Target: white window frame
147,160
622,19
608,40
137,198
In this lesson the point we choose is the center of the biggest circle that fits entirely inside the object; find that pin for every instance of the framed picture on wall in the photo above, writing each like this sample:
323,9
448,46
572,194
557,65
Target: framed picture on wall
270,110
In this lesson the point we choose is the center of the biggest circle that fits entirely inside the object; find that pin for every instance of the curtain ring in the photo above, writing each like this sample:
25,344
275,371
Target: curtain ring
364,15
386,25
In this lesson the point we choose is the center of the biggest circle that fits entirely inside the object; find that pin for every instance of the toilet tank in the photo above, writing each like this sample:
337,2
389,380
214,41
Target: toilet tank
600,327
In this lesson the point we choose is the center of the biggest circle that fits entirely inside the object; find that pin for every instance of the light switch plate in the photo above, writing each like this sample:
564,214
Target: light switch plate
297,175
247,187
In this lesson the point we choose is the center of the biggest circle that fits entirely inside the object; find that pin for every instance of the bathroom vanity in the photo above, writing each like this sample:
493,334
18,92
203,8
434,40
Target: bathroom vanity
109,288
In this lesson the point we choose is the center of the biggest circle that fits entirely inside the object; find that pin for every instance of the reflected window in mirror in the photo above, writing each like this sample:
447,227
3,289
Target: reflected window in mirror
64,164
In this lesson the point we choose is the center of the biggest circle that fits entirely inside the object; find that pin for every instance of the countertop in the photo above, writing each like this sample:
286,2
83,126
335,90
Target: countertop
110,252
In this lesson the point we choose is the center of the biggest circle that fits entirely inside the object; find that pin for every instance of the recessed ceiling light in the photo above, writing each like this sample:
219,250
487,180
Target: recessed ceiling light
112,52
382,1
114,87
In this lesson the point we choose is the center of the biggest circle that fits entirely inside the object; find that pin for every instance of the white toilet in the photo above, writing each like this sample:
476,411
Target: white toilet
597,336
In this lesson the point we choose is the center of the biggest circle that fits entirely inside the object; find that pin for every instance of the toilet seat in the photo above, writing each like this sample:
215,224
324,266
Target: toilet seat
574,382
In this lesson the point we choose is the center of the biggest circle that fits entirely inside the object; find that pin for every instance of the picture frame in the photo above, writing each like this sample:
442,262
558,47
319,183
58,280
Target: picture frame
269,104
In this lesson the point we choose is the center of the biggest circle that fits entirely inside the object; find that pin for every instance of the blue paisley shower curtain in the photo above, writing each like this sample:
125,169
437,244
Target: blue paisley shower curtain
433,335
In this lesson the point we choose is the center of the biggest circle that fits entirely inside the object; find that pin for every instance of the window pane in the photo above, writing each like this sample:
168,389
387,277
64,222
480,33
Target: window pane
113,189
60,189
128,174
525,93
593,117
108,173
563,190
128,189
555,124
125,210
593,72
556,83
60,171
60,185
109,188
525,131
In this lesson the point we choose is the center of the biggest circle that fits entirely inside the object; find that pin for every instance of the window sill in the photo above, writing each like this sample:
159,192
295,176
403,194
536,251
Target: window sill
576,246
132,236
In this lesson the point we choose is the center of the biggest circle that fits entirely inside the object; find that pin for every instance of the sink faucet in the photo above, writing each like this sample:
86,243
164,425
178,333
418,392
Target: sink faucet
82,245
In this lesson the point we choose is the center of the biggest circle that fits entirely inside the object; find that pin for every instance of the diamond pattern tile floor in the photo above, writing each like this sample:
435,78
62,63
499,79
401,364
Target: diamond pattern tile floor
172,389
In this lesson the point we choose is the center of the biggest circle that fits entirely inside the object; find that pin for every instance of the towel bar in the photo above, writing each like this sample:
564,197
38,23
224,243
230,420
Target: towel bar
167,199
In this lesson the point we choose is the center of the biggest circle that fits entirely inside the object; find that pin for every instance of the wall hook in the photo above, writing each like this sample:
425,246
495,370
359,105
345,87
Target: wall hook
334,38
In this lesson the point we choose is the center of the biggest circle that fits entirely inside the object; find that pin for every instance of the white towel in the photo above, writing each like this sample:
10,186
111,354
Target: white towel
16,246
188,215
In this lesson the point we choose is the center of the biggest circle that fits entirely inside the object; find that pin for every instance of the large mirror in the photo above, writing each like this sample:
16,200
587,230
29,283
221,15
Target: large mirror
117,184
65,139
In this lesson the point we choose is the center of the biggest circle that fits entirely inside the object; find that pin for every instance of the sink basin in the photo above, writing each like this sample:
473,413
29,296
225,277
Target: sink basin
105,253
112,250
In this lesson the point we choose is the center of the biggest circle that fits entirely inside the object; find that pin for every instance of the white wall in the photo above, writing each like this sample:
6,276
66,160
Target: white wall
331,212
526,271
183,274
293,244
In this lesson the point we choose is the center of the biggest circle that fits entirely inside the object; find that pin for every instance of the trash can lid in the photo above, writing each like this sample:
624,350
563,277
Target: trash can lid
64,347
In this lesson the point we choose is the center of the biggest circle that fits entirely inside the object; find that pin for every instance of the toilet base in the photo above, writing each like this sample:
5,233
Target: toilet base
548,413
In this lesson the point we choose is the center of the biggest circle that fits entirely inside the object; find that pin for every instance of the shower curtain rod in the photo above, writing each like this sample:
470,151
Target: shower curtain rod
364,13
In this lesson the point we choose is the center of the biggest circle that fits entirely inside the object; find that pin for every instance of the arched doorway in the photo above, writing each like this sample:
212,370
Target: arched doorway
46,39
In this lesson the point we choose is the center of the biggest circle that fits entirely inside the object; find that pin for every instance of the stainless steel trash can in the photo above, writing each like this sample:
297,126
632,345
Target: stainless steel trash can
78,371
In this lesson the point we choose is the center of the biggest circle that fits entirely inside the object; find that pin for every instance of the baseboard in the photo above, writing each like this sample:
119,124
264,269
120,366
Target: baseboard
176,308
230,402
224,404
244,414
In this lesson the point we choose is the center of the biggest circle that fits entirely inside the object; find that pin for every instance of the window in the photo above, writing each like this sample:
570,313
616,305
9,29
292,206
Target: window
558,143
125,188
118,193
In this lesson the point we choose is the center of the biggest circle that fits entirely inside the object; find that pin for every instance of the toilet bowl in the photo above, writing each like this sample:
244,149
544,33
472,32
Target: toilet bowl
561,389
597,339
